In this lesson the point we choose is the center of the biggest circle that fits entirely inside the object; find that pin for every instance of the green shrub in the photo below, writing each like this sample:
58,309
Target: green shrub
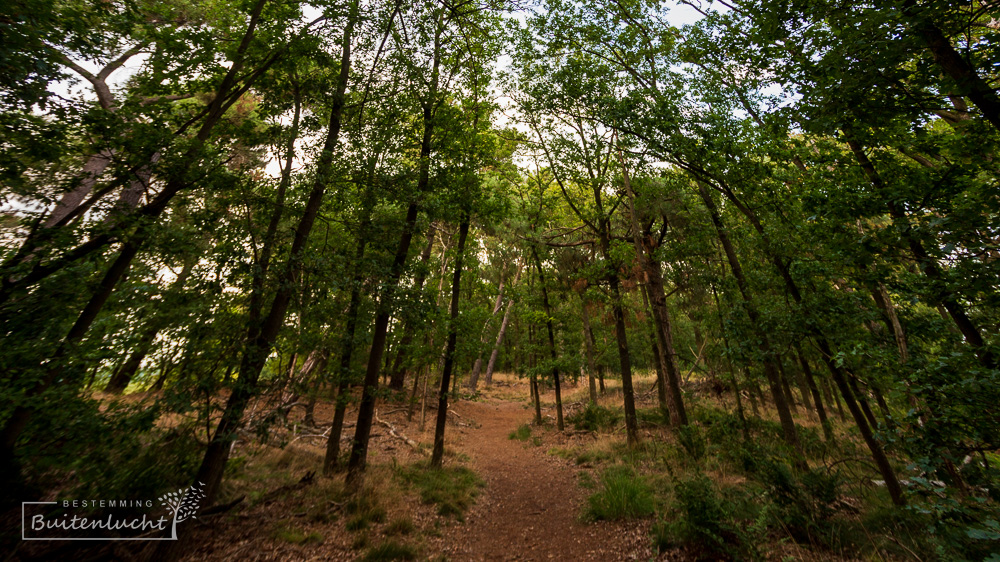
702,522
624,495
594,418
691,438
390,550
522,433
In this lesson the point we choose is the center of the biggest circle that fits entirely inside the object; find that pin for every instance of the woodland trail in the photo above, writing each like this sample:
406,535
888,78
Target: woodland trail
531,506
529,509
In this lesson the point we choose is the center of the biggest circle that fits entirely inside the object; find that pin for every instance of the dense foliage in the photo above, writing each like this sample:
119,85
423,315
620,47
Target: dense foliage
234,208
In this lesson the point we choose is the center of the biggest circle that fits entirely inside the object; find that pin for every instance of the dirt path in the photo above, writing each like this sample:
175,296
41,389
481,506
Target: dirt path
529,509
531,506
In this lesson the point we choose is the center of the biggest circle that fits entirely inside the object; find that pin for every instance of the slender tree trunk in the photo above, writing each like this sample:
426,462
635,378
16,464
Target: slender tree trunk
366,409
732,372
940,293
488,377
398,367
123,375
811,382
953,63
449,358
552,339
588,342
659,360
785,386
770,370
881,461
670,380
261,337
474,377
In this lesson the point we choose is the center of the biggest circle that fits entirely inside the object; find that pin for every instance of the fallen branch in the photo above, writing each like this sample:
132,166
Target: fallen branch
222,508
398,435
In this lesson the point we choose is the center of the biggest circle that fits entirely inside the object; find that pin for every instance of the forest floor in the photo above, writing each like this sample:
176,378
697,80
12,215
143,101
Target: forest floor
529,505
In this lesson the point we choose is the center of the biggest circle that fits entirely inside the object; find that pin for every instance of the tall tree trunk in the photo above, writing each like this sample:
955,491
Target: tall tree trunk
952,63
811,382
398,371
477,367
449,358
669,380
588,342
770,370
123,375
732,372
261,337
366,409
552,338
225,96
932,270
491,365
659,359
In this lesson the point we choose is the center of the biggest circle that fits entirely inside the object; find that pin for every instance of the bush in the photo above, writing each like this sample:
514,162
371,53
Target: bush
702,522
522,433
691,438
594,418
624,495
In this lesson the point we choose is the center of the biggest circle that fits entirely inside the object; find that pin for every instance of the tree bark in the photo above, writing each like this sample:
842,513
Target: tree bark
366,409
552,339
770,370
953,64
261,337
588,342
932,270
449,358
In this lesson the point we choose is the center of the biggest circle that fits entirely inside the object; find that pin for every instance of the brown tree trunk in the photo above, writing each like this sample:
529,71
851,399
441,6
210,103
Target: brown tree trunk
398,376
953,64
366,409
261,336
659,361
488,377
552,339
588,342
932,270
811,382
770,370
449,357
669,377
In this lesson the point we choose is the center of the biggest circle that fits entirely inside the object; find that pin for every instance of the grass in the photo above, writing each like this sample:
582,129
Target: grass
390,550
452,489
595,418
522,433
364,509
623,495
400,526
287,533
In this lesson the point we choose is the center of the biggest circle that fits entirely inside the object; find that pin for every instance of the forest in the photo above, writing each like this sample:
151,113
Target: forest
501,279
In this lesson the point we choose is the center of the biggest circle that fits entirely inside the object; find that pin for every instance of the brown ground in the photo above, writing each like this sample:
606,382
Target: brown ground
529,509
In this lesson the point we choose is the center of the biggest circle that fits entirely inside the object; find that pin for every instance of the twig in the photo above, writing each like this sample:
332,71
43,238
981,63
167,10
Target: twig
400,436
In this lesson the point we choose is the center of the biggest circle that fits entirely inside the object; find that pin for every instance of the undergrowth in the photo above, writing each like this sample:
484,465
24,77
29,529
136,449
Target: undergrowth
452,489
